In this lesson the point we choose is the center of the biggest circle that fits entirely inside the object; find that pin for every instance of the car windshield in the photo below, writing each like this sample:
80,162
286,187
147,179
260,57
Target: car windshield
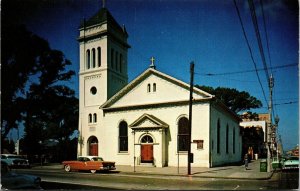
97,159
14,157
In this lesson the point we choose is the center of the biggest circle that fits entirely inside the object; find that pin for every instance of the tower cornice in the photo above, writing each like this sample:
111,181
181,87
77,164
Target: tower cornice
87,38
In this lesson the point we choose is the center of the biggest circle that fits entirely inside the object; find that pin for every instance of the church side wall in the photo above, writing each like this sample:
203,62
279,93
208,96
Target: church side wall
230,155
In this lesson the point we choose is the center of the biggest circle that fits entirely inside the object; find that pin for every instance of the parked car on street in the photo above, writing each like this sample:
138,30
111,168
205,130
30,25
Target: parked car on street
90,163
291,163
15,161
13,181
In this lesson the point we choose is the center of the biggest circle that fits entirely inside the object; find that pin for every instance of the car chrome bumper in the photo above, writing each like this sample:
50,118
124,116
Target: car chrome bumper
108,168
290,168
19,166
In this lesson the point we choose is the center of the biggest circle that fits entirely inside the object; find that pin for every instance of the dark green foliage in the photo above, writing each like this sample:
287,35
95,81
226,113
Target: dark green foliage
235,100
34,91
22,48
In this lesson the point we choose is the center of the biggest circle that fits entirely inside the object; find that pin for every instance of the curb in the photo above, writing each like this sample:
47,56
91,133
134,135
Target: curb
198,176
171,175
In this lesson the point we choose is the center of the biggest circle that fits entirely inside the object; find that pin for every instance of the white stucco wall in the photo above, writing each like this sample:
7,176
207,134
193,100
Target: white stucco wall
166,91
108,139
225,119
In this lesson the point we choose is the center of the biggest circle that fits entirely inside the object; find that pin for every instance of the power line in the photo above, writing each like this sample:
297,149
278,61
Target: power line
257,33
248,45
266,33
230,79
287,103
268,49
284,103
286,99
244,71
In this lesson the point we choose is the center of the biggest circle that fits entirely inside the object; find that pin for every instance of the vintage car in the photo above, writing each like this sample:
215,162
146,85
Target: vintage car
291,163
15,161
14,181
90,163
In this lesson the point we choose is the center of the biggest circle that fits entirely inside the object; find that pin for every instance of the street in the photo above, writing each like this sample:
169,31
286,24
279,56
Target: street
58,179
289,180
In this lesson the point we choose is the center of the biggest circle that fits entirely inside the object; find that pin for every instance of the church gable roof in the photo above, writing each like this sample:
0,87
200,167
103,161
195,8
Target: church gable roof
148,121
168,90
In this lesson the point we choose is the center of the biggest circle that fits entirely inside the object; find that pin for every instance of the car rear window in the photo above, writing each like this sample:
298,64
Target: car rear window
97,159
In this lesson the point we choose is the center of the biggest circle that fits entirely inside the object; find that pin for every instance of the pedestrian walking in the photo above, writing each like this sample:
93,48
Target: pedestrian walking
246,161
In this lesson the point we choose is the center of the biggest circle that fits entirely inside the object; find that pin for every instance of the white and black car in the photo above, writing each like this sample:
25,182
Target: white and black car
15,161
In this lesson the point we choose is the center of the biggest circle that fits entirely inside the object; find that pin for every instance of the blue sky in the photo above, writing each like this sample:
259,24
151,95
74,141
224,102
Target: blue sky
177,32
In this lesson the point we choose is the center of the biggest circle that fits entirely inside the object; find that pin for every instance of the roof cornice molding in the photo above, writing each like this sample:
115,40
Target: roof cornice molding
155,105
144,75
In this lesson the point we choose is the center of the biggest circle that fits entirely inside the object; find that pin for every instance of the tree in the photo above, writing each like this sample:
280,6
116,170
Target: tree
18,63
34,90
235,100
53,112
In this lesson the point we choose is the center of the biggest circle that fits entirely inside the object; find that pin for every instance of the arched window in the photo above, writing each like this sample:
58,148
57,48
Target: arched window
90,118
99,56
94,58
88,59
95,118
112,58
147,139
154,87
149,88
227,138
117,63
233,141
218,136
123,137
183,134
121,60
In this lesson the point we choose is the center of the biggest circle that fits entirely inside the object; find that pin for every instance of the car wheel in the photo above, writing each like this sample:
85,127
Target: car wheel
67,168
93,171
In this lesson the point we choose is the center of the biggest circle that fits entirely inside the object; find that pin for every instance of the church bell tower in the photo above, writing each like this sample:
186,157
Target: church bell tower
103,68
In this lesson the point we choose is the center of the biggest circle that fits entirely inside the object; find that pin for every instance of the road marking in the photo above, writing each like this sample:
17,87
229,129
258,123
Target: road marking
236,187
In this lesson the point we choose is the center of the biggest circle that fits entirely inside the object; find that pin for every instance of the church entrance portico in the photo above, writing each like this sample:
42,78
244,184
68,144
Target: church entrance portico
150,141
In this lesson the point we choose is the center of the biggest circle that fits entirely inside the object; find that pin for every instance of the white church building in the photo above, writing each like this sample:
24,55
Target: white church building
146,120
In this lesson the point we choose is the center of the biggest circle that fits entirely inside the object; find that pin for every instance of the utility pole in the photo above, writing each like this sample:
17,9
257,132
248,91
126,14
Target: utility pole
271,85
190,157
276,133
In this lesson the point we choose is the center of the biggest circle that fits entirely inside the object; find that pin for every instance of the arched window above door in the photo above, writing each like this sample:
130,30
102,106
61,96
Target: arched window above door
147,139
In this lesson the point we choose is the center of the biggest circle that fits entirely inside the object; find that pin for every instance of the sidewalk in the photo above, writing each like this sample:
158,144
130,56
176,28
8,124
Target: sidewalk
227,172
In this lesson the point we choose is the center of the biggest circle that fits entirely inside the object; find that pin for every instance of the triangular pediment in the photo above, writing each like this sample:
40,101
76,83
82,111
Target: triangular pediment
147,121
167,90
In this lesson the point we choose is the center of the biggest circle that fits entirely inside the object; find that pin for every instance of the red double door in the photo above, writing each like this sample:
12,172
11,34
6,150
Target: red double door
147,153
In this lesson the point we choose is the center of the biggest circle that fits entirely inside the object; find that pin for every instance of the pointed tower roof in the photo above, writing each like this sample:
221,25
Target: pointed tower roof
103,16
